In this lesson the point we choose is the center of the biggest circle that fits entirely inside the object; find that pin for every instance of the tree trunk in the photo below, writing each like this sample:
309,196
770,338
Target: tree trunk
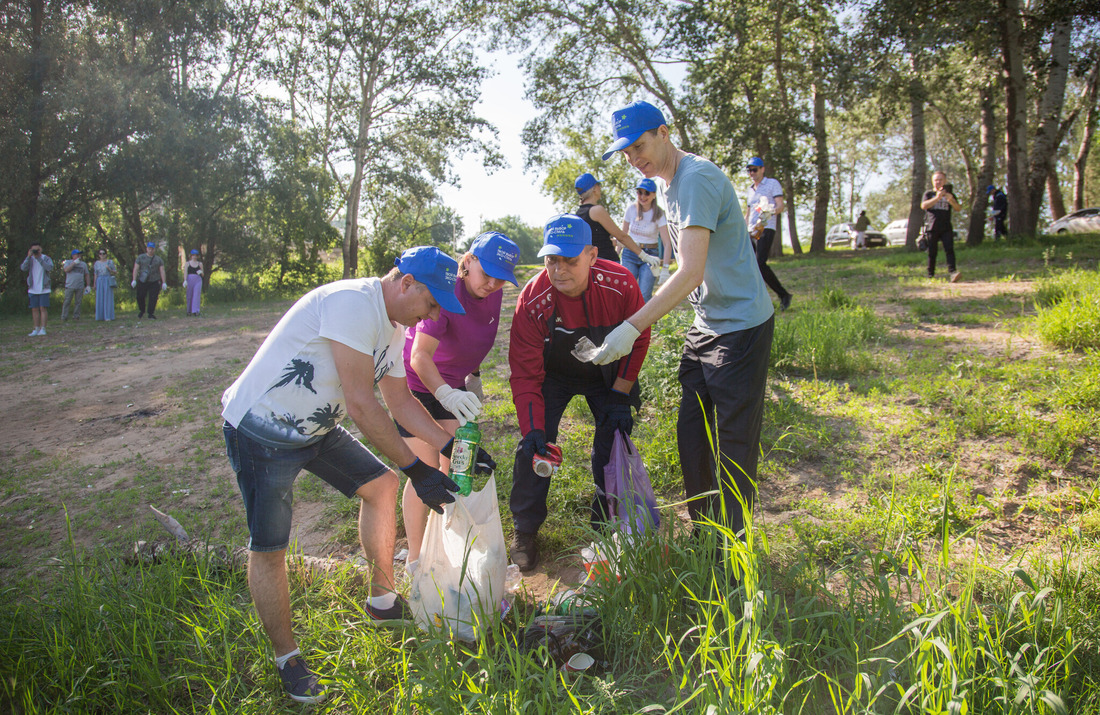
821,159
920,155
1054,196
23,213
1046,140
792,225
1087,133
351,224
172,257
980,199
1015,118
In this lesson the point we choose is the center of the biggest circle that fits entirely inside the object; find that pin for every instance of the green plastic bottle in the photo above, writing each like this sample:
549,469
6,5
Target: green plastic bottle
464,457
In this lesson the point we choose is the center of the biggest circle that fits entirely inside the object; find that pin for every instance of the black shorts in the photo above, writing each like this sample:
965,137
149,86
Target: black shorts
434,407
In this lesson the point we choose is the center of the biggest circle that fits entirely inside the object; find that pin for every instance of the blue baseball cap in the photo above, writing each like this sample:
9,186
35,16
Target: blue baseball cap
194,251
76,251
585,182
990,189
435,269
150,245
497,254
630,123
647,185
565,235
755,162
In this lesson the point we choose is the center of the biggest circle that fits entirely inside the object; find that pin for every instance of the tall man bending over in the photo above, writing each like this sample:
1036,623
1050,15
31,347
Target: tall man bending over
724,366
320,364
577,295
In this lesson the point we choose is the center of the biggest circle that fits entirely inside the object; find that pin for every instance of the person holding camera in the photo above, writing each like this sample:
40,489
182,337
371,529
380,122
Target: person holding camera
38,266
937,205
149,280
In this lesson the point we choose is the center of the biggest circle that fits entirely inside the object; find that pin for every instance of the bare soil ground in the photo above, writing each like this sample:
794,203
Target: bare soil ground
97,410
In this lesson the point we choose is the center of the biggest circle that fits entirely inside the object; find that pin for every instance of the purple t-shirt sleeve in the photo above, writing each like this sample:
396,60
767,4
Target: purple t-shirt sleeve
464,340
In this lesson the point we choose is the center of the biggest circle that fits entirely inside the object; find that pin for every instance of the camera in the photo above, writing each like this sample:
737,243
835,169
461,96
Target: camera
36,251
949,188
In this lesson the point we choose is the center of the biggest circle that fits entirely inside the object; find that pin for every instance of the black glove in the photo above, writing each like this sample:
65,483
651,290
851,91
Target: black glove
534,442
616,412
484,464
432,486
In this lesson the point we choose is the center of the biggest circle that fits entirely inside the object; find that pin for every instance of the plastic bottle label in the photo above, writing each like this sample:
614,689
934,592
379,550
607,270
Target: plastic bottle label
462,457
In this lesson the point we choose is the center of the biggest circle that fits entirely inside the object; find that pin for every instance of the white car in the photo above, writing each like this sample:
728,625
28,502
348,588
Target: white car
840,235
895,232
1083,221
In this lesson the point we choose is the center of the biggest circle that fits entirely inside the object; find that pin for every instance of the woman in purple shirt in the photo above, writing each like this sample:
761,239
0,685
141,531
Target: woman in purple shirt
442,357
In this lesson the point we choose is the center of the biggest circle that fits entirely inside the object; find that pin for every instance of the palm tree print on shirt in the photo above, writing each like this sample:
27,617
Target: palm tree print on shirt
326,418
299,372
290,422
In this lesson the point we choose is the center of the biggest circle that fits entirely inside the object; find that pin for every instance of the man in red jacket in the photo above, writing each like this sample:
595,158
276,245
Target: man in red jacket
577,295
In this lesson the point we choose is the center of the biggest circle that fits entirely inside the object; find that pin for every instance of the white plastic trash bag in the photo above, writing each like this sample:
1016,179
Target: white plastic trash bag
459,580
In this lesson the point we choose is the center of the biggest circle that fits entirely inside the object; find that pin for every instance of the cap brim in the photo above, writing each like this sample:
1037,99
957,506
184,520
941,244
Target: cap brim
621,143
501,274
568,251
447,300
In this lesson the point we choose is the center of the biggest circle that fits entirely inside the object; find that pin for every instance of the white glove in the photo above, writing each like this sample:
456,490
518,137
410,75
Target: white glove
620,341
664,276
463,405
650,259
164,286
133,284
473,384
87,290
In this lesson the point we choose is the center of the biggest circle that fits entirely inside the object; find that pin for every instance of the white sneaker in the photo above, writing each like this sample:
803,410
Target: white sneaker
32,333
41,331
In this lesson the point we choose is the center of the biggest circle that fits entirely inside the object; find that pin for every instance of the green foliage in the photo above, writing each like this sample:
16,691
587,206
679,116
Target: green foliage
1069,310
833,343
528,238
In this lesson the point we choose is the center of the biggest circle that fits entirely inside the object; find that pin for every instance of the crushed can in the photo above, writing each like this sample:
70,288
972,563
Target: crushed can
546,464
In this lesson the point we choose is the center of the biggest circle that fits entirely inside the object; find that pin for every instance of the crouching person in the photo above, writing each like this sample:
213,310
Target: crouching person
576,295
320,364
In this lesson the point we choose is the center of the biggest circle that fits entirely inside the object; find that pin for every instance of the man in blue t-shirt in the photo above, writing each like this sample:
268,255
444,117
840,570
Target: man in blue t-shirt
724,366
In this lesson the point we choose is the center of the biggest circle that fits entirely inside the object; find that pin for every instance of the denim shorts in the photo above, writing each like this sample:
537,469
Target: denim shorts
39,300
434,407
266,477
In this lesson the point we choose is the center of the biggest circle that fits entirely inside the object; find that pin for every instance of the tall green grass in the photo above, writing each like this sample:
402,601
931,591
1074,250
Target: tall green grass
884,631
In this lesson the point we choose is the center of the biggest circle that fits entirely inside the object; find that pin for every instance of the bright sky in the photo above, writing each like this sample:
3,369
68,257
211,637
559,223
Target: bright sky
508,191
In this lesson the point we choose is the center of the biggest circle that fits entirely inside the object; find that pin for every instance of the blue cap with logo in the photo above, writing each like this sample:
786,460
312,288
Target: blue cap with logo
497,254
755,162
585,182
194,251
630,123
150,245
436,270
990,189
76,252
565,235
647,185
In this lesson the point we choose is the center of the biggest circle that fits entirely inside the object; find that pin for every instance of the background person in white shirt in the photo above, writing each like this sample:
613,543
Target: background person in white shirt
38,266
770,190
645,222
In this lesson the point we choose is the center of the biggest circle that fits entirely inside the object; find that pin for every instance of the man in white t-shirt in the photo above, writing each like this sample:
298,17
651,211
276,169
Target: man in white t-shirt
762,229
320,364
38,266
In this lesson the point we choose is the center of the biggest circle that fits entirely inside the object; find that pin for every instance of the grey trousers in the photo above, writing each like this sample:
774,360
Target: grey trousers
73,298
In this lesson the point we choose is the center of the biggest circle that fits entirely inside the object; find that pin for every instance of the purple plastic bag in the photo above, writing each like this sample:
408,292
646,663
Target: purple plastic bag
630,498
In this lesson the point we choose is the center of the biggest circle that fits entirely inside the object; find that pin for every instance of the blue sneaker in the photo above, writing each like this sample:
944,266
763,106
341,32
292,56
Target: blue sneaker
301,683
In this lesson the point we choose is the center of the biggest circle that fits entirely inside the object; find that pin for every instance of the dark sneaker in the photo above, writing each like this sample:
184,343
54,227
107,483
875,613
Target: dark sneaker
152,317
525,551
301,683
396,615
785,302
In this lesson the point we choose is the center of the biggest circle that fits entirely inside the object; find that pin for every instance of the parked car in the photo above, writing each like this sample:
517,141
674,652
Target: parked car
1083,221
895,232
840,235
